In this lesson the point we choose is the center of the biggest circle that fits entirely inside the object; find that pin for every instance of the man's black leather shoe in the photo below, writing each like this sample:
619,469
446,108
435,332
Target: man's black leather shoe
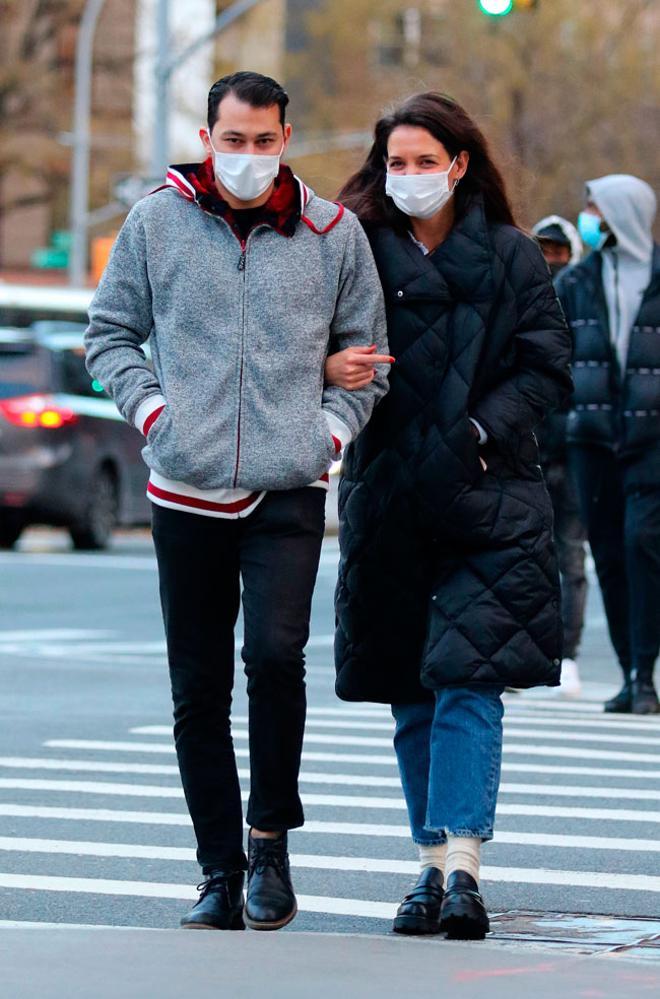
644,697
420,910
220,905
463,915
270,902
621,703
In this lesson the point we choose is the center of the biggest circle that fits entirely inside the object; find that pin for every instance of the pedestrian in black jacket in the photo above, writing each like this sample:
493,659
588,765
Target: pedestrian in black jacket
561,245
448,588
612,303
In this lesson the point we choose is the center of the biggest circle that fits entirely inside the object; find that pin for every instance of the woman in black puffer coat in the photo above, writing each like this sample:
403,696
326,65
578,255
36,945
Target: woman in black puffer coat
448,587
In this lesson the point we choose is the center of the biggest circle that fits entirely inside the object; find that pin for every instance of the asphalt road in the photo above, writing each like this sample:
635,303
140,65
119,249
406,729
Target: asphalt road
93,827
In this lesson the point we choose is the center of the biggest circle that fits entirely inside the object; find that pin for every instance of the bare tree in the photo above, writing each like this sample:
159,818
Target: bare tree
565,92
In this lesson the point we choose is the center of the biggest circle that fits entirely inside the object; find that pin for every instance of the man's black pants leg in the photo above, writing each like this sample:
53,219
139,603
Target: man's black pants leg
200,560
570,542
599,481
643,558
199,587
280,551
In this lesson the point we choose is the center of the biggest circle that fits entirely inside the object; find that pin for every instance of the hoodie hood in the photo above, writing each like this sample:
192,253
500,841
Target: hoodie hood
569,231
291,201
628,205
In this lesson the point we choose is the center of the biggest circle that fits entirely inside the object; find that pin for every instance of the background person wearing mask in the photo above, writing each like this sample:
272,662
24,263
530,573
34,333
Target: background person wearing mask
561,245
612,302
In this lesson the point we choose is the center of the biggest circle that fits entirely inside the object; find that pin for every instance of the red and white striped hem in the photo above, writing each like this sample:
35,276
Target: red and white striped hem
227,504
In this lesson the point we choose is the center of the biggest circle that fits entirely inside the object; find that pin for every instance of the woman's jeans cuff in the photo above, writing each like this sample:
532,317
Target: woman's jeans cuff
434,840
483,834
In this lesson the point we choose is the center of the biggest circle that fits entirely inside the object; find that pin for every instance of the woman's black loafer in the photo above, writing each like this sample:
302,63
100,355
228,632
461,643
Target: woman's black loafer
463,915
420,910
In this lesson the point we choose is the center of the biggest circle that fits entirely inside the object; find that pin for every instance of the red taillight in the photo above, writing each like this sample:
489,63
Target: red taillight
36,411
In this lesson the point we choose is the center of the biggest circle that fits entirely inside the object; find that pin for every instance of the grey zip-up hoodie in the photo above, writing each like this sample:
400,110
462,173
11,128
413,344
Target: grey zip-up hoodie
239,337
628,205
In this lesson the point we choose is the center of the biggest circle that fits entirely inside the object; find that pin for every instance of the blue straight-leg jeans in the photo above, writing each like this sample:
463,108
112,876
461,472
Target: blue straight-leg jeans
449,751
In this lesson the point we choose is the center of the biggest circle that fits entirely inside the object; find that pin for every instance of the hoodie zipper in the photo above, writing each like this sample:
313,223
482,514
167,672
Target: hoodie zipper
241,269
621,363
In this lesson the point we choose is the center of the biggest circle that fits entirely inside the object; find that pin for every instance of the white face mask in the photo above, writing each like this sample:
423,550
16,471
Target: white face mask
245,175
420,194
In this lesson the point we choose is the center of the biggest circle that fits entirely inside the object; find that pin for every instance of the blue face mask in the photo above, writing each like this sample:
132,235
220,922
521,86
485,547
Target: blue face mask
589,228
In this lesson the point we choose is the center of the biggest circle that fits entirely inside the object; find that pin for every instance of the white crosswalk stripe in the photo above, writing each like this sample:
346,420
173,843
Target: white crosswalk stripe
559,757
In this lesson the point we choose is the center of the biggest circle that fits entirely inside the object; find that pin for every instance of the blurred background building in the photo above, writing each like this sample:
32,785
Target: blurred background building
565,90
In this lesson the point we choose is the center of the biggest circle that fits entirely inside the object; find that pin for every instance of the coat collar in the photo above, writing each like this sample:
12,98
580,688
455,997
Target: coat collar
459,270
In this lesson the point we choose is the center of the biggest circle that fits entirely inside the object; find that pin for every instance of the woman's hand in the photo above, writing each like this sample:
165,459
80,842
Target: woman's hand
353,368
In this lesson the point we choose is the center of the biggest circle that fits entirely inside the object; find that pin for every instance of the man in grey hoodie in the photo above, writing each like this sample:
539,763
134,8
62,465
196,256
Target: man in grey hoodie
612,303
242,280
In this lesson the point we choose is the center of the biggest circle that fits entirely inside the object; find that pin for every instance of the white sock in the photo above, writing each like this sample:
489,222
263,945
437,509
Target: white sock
463,853
432,855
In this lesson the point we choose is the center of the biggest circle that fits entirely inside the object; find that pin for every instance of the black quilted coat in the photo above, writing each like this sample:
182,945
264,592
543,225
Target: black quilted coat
613,409
447,574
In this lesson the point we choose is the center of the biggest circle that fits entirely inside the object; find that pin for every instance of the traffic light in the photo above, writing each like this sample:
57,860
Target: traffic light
500,8
496,8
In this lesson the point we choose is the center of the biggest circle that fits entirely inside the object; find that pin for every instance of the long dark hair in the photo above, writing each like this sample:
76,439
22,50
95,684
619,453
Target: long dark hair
450,124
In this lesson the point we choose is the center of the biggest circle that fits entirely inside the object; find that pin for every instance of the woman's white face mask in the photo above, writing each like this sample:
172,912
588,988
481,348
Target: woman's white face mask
245,175
420,195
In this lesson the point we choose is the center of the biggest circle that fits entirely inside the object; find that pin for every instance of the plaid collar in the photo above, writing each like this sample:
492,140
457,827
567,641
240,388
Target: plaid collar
282,211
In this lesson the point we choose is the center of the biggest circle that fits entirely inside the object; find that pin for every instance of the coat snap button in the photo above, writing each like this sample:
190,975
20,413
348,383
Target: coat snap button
556,662
400,294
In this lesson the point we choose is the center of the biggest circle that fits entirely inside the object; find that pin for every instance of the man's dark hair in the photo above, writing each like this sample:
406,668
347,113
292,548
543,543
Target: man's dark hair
254,89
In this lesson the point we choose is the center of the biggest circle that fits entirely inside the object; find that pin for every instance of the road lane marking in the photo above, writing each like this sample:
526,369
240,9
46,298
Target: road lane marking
316,903
149,747
324,862
357,801
102,766
52,634
652,728
156,889
77,561
98,745
345,801
380,743
317,827
18,924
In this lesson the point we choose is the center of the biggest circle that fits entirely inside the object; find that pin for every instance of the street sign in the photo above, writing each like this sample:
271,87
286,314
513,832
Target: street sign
128,188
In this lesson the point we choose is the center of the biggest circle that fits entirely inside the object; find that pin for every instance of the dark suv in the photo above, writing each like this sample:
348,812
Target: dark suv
67,458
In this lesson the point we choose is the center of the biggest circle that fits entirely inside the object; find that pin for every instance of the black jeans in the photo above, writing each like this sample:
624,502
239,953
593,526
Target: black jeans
570,537
623,526
201,561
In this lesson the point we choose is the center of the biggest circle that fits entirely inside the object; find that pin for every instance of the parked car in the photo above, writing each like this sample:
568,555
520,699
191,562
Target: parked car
67,458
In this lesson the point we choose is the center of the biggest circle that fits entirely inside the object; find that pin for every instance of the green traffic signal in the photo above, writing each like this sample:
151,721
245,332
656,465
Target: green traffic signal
496,8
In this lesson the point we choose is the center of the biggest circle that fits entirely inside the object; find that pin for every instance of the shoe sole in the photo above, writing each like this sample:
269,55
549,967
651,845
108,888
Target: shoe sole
460,926
236,924
616,710
415,926
277,925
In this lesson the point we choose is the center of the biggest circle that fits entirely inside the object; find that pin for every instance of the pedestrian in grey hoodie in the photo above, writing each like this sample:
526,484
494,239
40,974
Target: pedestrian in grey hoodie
612,303
242,281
